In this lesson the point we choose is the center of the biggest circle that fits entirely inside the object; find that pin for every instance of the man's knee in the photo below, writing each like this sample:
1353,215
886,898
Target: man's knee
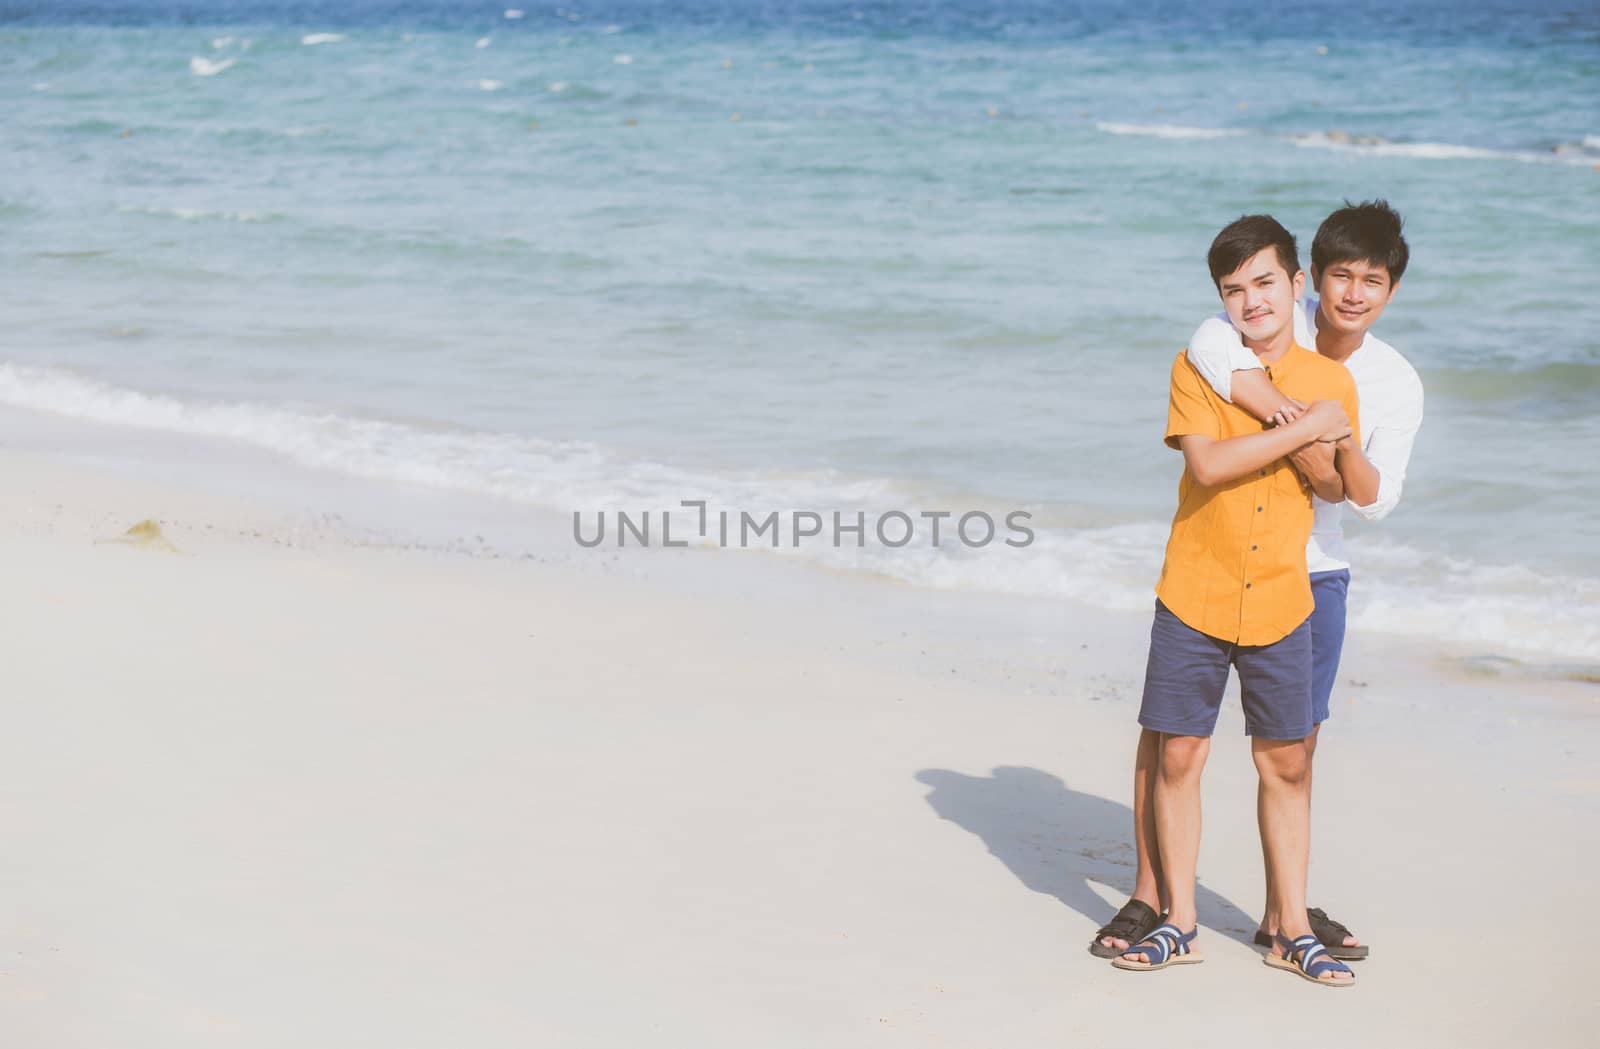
1182,757
1287,761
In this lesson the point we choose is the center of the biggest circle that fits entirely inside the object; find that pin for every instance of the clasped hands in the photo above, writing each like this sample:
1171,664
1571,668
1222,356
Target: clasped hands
1328,418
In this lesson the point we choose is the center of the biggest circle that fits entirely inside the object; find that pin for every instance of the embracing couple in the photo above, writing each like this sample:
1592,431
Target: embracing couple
1285,412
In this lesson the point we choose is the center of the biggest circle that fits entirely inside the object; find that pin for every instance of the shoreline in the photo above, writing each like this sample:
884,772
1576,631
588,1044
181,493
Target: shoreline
434,797
278,498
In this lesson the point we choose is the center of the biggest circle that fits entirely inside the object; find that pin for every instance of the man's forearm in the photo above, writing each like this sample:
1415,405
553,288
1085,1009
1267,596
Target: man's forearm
1328,487
1255,393
1216,462
1360,477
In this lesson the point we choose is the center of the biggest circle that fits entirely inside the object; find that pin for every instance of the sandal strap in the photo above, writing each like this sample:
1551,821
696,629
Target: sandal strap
1135,917
1313,958
1164,943
1327,930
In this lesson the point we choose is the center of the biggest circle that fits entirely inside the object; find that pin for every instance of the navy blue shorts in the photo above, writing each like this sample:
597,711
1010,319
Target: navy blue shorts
1187,673
1327,636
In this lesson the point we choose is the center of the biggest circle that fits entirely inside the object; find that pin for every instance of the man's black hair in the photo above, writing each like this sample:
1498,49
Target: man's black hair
1246,235
1366,232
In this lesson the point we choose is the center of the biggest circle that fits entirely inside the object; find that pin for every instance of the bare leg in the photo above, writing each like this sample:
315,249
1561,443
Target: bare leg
1148,883
1147,875
1177,811
1270,921
1285,815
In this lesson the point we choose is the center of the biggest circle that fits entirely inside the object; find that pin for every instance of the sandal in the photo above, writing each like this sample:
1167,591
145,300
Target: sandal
1330,932
1166,946
1313,961
1132,924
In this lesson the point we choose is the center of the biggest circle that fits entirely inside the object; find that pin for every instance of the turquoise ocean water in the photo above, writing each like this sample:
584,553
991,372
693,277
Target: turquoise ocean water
815,256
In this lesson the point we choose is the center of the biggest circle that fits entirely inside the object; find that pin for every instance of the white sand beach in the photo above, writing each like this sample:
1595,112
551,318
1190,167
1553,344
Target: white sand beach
297,785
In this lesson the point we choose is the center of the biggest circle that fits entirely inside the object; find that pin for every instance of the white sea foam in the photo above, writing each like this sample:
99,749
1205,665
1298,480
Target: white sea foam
1378,146
1408,591
1170,131
490,85
483,42
563,475
1402,591
197,214
221,42
205,67
512,12
622,60
556,87
313,39
1370,144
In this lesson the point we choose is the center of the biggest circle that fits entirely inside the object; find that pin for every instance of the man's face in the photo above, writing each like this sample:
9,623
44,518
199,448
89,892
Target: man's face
1259,296
1353,295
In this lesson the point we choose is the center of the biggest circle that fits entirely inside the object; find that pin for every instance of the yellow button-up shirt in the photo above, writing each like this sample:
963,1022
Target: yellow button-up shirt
1236,558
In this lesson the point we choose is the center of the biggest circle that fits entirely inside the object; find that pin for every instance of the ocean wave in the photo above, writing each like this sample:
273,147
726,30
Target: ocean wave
1407,591
561,475
1370,144
313,39
1401,590
200,214
1380,146
1170,131
206,67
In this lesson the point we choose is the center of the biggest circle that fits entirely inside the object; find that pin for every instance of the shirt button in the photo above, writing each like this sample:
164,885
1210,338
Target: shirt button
1263,473
1252,546
1248,585
1258,509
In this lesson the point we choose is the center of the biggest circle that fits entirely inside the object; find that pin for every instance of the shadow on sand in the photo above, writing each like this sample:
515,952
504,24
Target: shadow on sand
1057,840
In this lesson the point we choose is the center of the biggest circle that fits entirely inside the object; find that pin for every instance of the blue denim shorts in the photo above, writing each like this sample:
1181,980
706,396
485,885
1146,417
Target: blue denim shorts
1187,673
1327,636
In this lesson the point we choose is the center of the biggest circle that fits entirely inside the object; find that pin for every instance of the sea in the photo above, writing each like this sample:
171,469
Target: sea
815,256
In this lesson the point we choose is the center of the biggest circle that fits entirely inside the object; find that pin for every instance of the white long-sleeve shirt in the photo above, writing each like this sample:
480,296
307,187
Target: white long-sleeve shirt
1391,413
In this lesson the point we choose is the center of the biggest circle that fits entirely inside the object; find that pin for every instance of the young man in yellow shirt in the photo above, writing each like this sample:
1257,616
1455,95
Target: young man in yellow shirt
1234,592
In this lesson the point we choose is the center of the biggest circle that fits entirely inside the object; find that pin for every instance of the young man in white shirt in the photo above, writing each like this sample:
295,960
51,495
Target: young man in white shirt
1357,259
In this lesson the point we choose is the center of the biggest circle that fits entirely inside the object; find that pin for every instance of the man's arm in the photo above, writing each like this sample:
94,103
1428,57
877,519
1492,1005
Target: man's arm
1360,478
1388,451
1232,370
1317,464
1337,471
1215,462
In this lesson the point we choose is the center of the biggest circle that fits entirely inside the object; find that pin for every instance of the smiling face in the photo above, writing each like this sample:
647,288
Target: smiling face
1259,297
1353,294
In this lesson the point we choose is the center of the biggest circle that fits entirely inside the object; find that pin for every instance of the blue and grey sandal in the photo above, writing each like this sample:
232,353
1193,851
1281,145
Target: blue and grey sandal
1166,946
1313,963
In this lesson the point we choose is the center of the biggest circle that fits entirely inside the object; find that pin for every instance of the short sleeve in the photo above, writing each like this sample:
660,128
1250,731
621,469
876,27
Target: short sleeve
1190,410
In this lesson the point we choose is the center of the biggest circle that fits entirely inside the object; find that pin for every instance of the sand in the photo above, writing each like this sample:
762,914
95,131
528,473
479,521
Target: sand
297,785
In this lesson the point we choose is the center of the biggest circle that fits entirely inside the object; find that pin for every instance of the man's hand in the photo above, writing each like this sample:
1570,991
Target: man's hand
1287,412
1317,470
1316,461
1327,421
